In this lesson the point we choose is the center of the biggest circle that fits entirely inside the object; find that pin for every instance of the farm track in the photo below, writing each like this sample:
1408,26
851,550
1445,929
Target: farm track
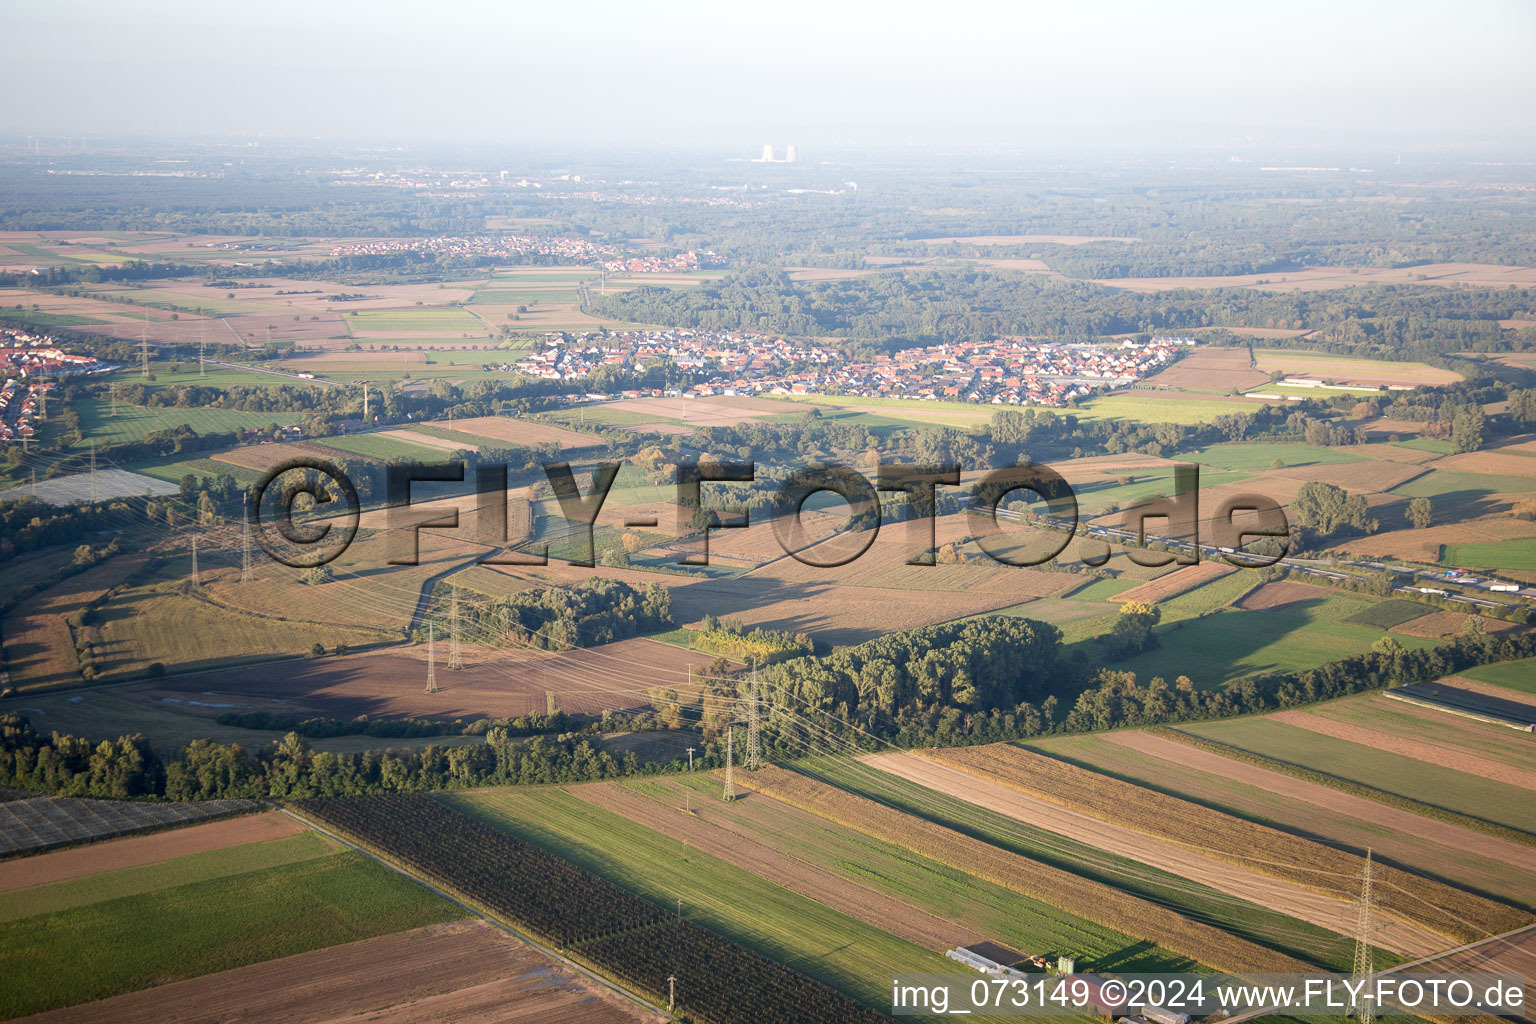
1328,912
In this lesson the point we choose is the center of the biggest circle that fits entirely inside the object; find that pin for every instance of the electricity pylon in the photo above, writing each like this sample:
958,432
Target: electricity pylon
1364,1009
194,558
93,472
431,661
245,542
455,659
754,736
730,758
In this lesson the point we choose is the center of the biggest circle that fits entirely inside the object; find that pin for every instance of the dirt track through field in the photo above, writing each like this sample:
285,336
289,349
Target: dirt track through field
463,971
1419,750
711,832
1335,915
136,851
1332,801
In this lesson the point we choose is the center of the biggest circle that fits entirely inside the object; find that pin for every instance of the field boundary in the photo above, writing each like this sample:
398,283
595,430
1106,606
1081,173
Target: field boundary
1296,771
478,912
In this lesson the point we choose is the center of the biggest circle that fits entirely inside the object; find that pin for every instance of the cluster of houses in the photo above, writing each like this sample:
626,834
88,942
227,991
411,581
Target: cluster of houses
28,363
512,247
21,409
487,246
693,259
1001,371
756,358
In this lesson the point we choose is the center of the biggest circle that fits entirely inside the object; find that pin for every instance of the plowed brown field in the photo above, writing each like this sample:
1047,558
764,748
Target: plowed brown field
495,683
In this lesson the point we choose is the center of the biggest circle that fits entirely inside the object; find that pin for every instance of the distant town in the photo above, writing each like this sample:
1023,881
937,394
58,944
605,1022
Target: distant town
611,257
1002,371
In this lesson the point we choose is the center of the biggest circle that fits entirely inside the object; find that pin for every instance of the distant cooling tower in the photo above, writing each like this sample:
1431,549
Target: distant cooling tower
767,156
790,156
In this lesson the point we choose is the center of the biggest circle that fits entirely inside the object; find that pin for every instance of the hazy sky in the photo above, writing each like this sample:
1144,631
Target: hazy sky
724,72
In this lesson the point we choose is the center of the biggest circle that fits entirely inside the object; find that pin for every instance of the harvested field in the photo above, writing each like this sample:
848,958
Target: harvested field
1174,583
1515,955
494,683
1508,462
1331,912
1424,545
1444,625
1076,895
1270,596
847,614
1419,750
715,835
39,648
525,433
1347,370
262,457
1326,278
1435,906
1372,475
728,411
1476,860
464,971
1214,370
137,851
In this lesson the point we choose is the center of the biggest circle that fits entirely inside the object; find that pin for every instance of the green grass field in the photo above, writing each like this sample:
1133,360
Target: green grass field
172,469
1515,675
1143,409
428,319
1149,484
1390,613
151,935
45,321
196,867
1258,457
376,446
1391,773
1479,739
785,926
135,423
1427,444
1102,590
1504,554
1218,648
